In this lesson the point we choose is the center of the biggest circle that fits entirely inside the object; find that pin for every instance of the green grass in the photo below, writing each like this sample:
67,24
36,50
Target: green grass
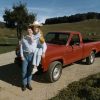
84,27
6,32
9,37
7,44
85,89
8,40
4,49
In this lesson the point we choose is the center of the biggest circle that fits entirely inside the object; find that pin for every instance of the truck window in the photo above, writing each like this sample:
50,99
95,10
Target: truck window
75,40
57,38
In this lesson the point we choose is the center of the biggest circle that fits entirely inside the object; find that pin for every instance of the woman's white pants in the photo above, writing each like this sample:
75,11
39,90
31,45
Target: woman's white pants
37,56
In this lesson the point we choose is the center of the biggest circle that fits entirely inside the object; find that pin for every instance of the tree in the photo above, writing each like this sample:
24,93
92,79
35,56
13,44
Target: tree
18,17
73,18
8,17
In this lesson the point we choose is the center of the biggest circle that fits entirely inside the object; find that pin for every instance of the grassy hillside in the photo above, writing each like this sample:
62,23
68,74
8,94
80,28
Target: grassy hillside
84,26
8,40
5,32
8,36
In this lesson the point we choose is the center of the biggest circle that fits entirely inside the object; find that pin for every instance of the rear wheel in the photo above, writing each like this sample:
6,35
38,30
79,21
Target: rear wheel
91,58
54,72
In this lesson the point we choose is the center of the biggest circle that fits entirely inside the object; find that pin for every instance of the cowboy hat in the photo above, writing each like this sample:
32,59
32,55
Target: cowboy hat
36,23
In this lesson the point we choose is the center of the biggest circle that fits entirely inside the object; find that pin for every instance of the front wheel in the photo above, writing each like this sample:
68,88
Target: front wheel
91,58
54,72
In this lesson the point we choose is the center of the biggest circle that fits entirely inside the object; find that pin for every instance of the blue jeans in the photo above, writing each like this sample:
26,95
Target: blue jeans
27,69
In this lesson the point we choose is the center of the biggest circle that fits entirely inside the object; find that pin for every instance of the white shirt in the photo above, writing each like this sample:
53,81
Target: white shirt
27,45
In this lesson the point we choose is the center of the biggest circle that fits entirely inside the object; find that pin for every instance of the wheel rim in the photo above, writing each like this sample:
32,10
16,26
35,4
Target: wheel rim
92,58
56,72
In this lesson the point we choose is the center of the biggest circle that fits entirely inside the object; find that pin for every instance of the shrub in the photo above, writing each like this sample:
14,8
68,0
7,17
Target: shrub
85,89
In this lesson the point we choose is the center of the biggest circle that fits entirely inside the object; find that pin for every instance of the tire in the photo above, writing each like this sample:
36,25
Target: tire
54,72
91,58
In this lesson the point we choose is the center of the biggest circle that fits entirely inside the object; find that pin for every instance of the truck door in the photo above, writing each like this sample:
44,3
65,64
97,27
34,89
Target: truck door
76,48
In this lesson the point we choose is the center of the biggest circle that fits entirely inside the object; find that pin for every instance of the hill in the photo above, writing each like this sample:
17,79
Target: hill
8,36
85,27
8,40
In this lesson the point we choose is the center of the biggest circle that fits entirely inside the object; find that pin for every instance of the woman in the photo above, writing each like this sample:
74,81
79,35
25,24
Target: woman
27,48
41,46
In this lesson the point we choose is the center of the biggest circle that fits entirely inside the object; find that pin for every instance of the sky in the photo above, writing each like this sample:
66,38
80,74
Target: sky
53,8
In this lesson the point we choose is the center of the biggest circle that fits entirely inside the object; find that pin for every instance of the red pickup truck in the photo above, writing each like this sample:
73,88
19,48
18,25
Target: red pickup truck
64,48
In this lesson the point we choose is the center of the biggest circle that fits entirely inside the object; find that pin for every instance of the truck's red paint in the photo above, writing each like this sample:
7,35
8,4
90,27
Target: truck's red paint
67,54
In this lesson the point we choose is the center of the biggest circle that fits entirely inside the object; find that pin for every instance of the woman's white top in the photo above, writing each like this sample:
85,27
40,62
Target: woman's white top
39,44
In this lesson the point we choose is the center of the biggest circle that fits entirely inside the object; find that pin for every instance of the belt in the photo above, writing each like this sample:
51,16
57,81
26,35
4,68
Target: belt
28,53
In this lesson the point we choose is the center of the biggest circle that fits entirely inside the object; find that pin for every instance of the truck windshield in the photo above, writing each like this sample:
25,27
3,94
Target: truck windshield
59,38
